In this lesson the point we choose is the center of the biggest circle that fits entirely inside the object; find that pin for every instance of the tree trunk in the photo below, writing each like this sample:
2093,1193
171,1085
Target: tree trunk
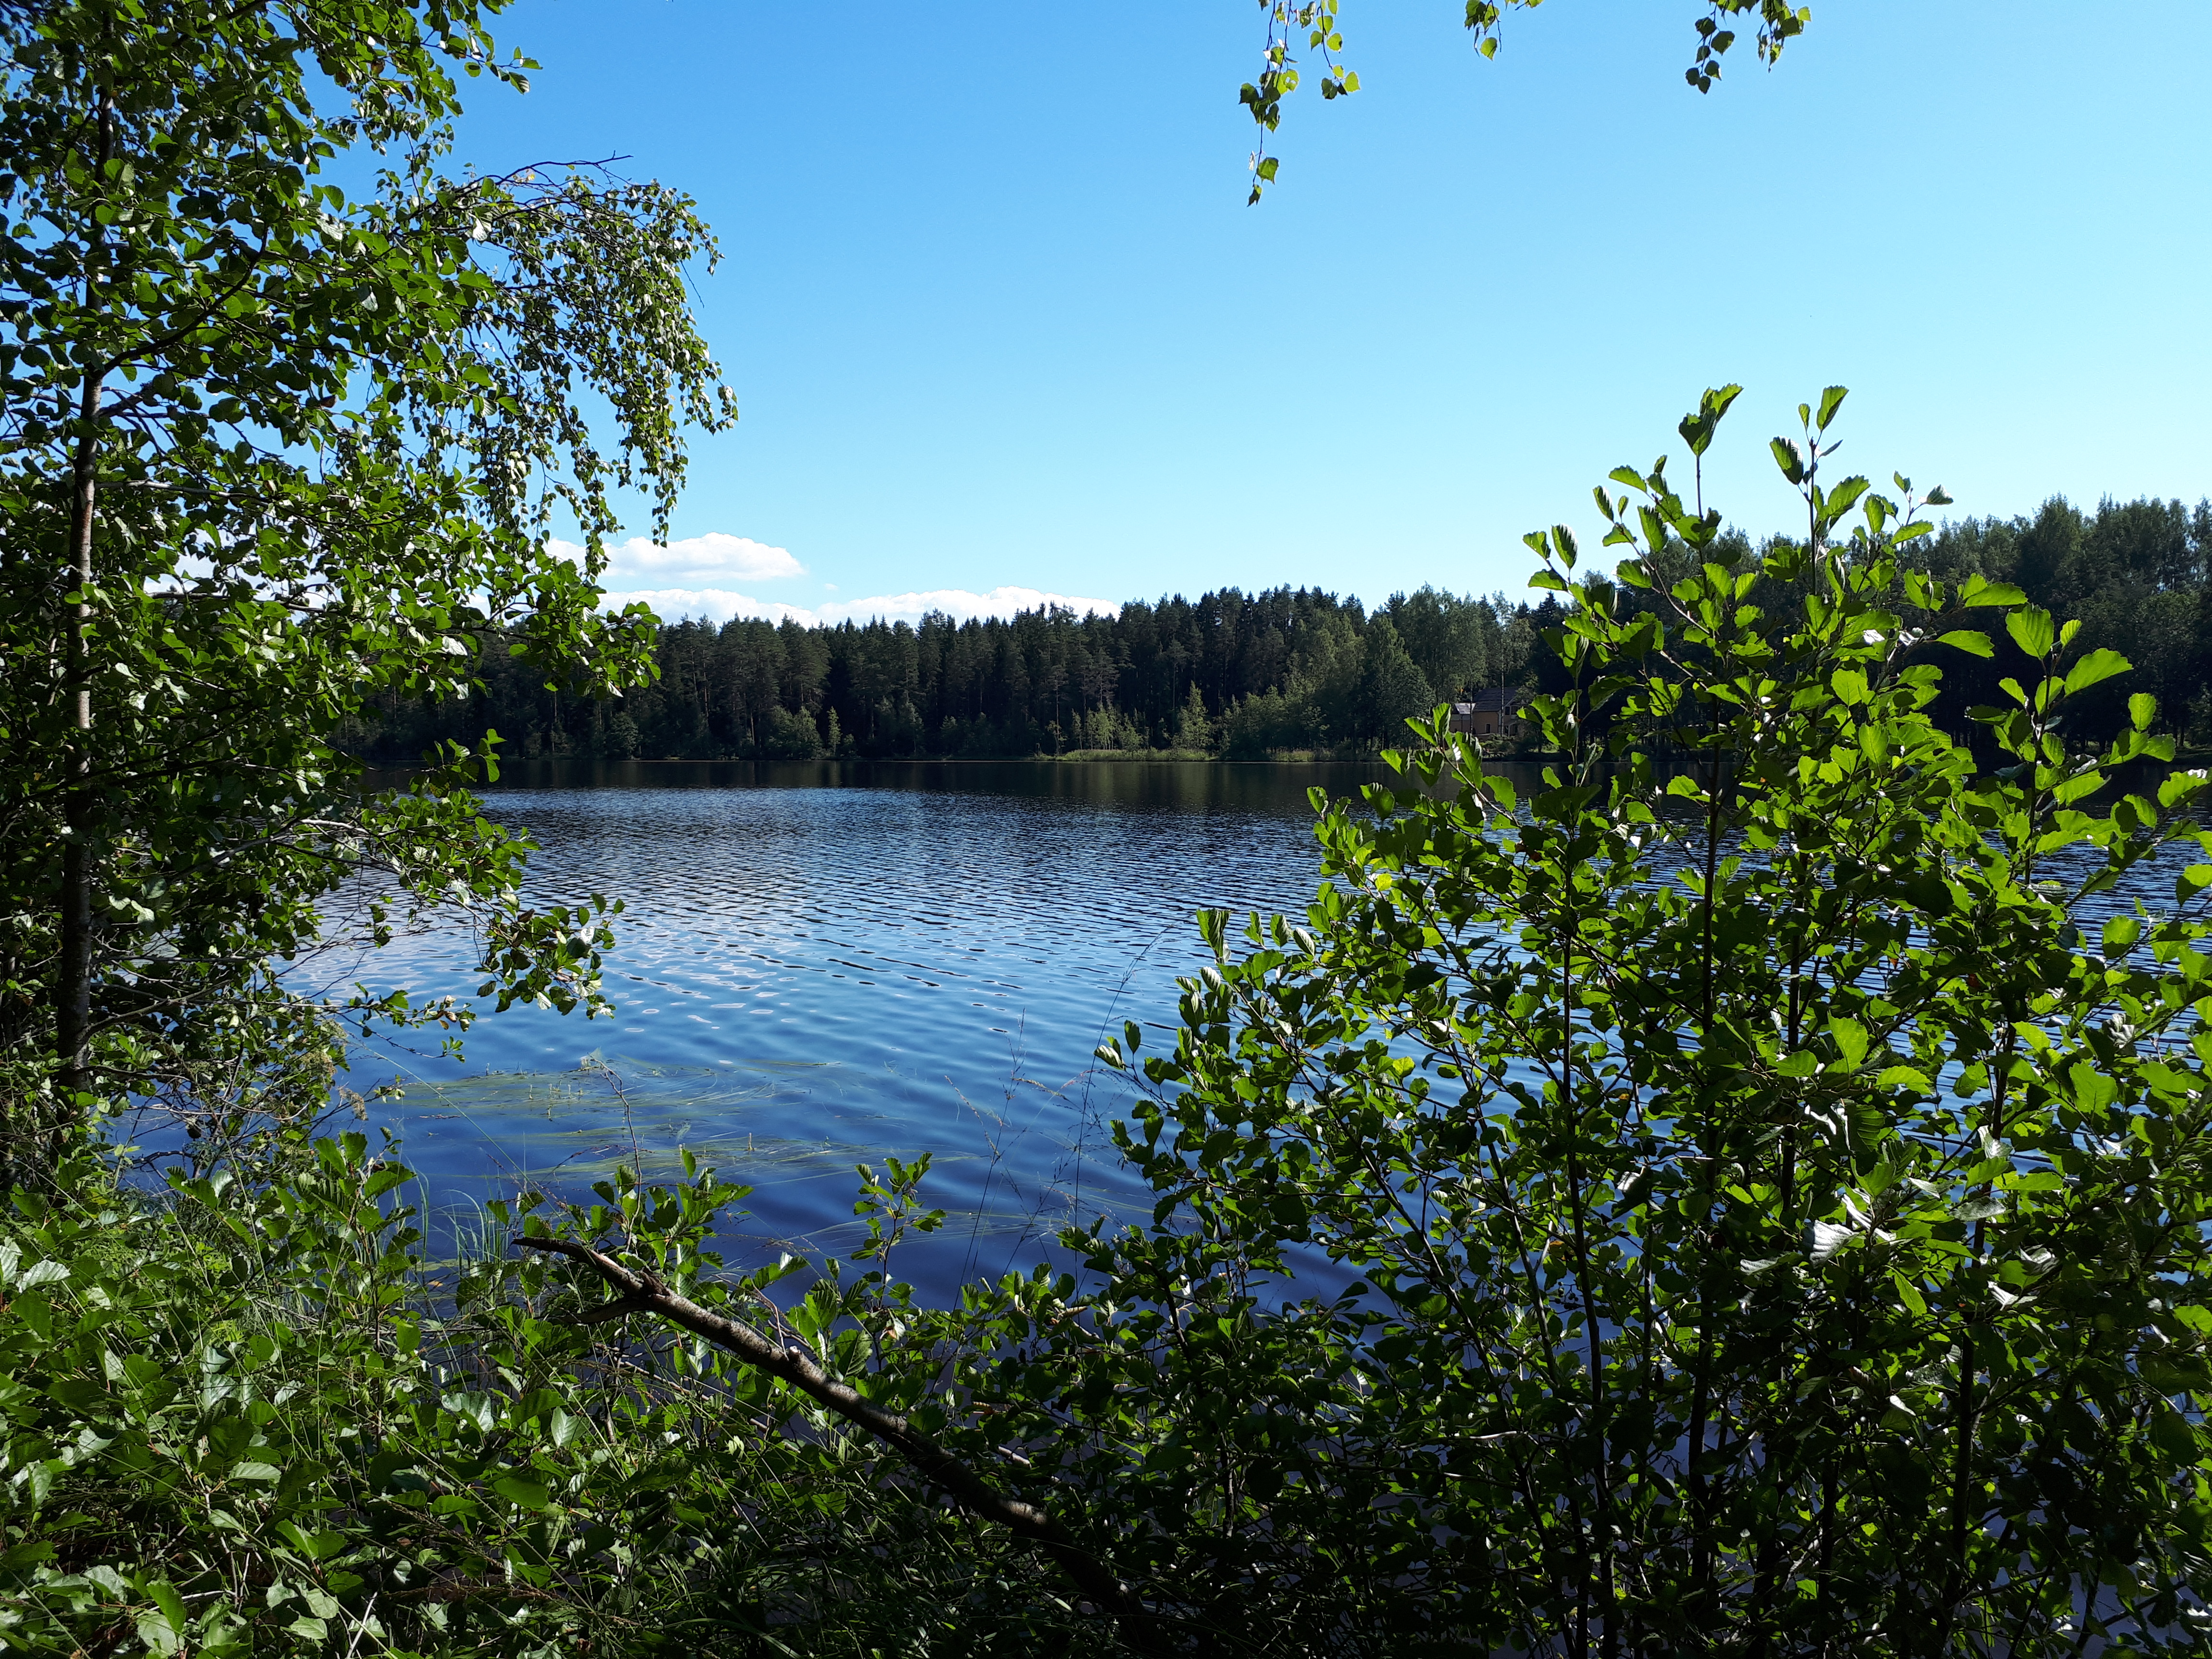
73,976
73,969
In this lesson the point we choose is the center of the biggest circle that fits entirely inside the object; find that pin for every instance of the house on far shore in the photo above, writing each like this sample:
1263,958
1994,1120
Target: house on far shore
1492,713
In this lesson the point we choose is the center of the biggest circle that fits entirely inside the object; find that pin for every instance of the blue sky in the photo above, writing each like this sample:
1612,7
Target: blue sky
1001,324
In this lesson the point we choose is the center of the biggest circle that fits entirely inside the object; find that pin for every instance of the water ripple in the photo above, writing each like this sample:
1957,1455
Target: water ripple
821,965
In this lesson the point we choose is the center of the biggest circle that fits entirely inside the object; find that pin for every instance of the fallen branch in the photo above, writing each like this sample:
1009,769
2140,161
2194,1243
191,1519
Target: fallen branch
639,1292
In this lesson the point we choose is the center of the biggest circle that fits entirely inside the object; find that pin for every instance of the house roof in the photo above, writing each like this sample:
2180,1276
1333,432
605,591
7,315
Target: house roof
1494,701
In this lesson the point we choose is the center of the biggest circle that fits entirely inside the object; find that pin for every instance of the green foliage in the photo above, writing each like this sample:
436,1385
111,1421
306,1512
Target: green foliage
1753,1203
1457,645
267,451
1193,729
1288,670
2138,576
1312,26
1751,1197
253,1420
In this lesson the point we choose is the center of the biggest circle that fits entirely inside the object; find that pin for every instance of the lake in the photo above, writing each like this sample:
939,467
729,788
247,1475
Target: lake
824,963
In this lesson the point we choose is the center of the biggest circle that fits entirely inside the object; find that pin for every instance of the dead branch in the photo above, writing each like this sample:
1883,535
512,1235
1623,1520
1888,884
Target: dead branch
640,1292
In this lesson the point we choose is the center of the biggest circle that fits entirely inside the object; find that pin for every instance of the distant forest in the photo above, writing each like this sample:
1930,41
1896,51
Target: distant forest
1288,671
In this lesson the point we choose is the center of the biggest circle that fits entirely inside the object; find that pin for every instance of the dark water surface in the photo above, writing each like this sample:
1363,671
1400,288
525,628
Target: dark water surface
821,964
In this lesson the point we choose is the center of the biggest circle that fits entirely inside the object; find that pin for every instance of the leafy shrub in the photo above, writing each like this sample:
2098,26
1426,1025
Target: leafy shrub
1756,1205
255,1420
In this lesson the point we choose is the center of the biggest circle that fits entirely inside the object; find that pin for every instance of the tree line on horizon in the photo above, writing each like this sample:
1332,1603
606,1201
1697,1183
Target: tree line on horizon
1230,672
1245,676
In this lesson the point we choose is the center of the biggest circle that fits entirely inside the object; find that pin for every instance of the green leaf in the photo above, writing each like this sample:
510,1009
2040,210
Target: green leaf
473,1404
2096,665
2143,709
2092,1091
523,1494
165,1596
384,1179
1967,640
2174,1435
1976,590
1839,499
2072,789
1830,401
2032,630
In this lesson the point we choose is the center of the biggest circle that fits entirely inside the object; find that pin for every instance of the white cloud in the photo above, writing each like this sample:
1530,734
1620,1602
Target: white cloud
690,577
732,558
721,604
714,603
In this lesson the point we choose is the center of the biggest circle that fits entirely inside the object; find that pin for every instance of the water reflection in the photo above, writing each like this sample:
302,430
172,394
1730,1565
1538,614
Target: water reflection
822,963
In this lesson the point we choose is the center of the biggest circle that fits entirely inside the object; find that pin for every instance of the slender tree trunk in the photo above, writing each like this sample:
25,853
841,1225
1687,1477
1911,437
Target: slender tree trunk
1955,1577
1701,1545
73,979
1825,1578
73,971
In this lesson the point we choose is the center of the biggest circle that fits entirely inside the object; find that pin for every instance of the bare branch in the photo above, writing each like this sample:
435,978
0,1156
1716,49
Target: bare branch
642,1292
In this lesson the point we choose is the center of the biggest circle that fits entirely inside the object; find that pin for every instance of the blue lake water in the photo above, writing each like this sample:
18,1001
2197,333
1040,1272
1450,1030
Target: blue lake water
822,964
